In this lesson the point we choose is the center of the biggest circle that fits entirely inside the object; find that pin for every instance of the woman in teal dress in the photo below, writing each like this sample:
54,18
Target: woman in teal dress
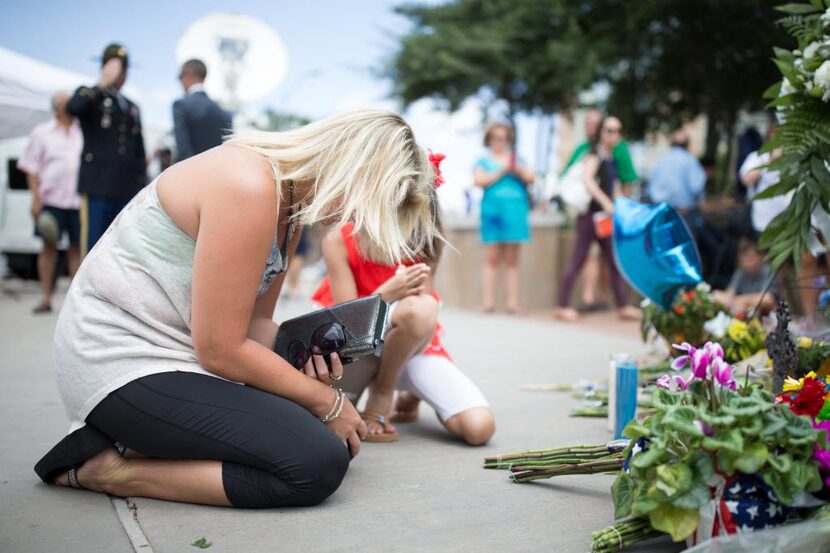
504,212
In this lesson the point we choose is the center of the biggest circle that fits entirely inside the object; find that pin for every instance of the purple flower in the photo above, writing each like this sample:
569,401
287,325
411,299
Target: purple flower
714,349
821,455
682,360
705,428
722,372
700,363
672,383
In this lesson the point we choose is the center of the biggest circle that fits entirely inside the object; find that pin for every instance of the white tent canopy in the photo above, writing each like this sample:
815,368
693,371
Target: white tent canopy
26,87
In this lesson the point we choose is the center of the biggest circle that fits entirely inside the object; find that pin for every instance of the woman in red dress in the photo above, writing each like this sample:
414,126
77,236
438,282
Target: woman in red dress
414,360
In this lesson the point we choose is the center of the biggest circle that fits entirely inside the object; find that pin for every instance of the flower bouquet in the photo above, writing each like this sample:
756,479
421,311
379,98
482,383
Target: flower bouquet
715,458
684,322
740,339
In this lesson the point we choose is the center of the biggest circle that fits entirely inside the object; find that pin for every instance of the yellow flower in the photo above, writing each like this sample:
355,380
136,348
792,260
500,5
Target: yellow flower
804,342
737,330
792,385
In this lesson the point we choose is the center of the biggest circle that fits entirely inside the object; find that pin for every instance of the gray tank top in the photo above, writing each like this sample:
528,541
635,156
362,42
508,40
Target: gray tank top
127,312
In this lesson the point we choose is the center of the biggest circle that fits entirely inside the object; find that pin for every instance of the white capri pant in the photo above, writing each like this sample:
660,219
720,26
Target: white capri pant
436,380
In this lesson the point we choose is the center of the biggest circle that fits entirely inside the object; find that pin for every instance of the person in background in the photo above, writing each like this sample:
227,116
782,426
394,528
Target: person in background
749,283
600,179
504,212
198,121
757,177
113,164
679,180
51,160
414,360
592,277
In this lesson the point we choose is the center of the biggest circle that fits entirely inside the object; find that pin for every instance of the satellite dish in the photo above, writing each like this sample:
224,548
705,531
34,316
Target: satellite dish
246,59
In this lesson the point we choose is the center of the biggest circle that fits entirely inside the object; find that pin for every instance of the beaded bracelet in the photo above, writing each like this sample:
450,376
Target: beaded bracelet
337,408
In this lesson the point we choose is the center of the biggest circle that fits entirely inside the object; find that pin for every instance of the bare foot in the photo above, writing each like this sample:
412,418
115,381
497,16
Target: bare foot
379,403
406,408
100,473
629,313
516,310
566,314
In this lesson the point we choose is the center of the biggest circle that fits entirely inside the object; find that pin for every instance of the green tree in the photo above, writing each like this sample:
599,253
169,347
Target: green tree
671,60
527,53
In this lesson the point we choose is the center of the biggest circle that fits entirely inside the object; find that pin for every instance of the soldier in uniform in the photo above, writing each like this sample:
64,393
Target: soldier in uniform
113,164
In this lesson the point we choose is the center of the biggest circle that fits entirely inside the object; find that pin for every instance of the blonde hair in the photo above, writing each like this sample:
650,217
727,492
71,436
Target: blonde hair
365,168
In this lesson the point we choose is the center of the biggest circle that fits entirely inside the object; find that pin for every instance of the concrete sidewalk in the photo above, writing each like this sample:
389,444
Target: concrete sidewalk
426,492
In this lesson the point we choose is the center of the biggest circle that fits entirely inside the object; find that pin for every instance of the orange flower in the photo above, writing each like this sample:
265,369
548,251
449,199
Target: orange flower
679,309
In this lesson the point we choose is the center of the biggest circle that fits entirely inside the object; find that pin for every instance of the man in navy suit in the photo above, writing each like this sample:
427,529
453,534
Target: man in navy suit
199,122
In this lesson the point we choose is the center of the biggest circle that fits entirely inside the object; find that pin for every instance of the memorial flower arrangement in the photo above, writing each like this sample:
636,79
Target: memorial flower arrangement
715,457
684,322
802,98
740,339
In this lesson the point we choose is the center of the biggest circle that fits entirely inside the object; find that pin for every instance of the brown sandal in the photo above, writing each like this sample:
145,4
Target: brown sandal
384,422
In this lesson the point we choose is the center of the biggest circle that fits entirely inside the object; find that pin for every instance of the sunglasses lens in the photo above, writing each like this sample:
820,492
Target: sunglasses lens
328,339
298,354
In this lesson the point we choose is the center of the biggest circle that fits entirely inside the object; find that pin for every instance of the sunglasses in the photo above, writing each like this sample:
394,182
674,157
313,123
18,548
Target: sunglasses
329,338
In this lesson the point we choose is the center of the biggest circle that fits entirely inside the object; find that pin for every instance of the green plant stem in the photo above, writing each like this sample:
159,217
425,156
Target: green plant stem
525,474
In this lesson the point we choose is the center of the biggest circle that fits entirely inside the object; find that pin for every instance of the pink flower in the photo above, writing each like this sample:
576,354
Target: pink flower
700,363
704,428
821,455
664,382
672,383
722,373
682,360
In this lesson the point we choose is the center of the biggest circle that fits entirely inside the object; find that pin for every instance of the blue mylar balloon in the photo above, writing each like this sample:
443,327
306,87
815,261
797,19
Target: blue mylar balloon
654,250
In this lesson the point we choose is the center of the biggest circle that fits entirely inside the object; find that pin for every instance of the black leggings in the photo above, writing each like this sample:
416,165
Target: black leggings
274,453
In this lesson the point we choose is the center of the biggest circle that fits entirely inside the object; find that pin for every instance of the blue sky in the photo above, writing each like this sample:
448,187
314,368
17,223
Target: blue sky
334,47
338,42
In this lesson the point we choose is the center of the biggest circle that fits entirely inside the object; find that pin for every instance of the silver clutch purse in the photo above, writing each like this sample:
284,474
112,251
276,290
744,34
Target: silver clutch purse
353,329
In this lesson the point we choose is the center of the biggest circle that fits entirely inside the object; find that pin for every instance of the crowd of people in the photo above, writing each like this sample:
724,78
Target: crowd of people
86,164
727,239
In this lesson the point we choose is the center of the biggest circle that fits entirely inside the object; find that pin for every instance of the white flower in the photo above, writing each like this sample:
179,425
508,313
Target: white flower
787,87
645,303
825,18
717,326
703,287
823,75
811,49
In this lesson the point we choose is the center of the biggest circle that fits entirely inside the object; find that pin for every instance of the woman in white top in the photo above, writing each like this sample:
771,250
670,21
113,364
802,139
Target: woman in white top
170,314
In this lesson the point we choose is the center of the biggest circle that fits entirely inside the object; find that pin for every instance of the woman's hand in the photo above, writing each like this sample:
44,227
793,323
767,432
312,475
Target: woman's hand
407,281
316,367
349,427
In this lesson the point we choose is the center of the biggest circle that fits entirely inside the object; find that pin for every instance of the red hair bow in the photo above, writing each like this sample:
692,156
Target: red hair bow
435,160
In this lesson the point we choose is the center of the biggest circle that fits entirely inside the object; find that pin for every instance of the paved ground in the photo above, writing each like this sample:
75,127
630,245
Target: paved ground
423,493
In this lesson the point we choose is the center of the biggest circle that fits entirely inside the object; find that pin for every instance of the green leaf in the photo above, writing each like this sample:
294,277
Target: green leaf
635,430
642,506
730,441
648,458
783,101
798,9
753,427
746,406
753,458
781,463
702,464
776,190
201,543
674,479
681,418
698,496
678,523
773,91
621,493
